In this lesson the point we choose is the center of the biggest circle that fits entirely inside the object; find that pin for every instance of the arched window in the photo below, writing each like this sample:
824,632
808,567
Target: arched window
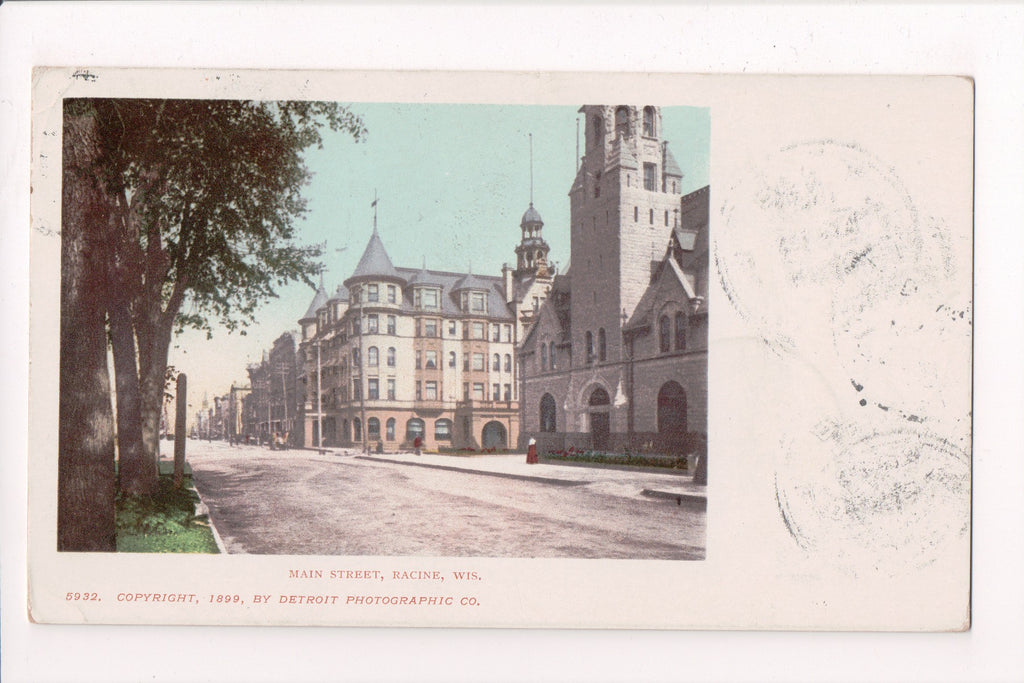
649,129
508,362
372,357
664,342
496,363
551,354
548,414
373,428
602,348
413,428
390,426
622,121
597,131
443,430
357,430
543,356
391,356
589,344
680,332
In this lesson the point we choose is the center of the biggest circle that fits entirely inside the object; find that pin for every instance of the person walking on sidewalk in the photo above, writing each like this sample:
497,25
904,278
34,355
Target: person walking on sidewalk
417,443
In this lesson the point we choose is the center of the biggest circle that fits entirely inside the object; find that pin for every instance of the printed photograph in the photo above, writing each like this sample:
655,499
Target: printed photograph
373,329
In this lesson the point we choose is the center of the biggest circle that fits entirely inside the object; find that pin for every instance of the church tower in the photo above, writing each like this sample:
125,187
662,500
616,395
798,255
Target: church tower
624,204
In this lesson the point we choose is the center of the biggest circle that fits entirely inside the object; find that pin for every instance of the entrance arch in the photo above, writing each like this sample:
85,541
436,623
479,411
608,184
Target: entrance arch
600,420
548,414
672,416
494,435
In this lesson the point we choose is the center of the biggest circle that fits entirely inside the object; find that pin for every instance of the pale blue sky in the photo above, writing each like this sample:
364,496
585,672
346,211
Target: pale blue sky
453,182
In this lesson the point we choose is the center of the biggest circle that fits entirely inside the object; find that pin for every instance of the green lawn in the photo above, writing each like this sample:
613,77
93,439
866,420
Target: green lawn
165,523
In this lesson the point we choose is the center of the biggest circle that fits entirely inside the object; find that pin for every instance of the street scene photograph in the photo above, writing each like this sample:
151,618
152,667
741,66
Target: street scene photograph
373,329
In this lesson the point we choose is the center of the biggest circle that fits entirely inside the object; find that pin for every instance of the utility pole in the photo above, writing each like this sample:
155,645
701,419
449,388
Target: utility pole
319,404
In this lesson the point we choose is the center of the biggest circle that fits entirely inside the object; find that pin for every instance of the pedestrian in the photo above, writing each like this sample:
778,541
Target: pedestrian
531,452
417,443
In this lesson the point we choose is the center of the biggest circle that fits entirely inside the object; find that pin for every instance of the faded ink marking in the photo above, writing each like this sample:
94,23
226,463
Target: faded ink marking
84,75
785,517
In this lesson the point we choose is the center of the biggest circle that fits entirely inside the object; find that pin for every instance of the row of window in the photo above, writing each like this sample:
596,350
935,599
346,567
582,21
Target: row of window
415,427
622,124
429,359
431,327
430,390
665,336
602,346
423,298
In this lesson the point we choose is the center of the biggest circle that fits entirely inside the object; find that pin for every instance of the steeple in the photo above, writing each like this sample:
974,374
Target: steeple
532,252
375,263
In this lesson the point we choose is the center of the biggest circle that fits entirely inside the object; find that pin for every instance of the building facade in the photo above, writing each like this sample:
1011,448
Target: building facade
400,354
617,359
273,408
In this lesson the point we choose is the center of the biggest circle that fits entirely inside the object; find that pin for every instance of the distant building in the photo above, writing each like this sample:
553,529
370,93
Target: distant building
400,353
274,406
617,358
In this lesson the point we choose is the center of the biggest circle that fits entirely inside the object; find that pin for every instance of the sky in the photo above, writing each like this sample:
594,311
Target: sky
452,183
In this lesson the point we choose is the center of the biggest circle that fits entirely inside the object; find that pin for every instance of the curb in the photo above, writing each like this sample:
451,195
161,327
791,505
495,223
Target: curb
209,518
466,470
702,501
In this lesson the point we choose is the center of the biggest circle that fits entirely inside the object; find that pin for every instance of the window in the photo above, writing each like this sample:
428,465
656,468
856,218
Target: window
508,362
636,214
478,331
371,324
430,328
495,332
478,361
508,392
391,389
596,131
478,391
649,122
478,302
390,427
652,217
507,333
419,360
650,177
663,338
547,413
430,391
373,428
356,295
373,391
357,430
391,356
372,294
355,326
551,354
543,357
666,218
451,359
425,298
495,392
414,427
589,344
622,122
465,361
496,363
431,358
372,357
680,332
391,324
443,430
392,294
602,349
465,391
419,391
465,330
451,328
355,358
357,389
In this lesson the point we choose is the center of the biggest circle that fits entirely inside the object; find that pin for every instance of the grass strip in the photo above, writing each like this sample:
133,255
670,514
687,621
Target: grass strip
164,523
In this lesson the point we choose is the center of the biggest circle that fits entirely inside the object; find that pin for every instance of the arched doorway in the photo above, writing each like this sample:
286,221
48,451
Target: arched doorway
494,435
600,421
672,416
548,414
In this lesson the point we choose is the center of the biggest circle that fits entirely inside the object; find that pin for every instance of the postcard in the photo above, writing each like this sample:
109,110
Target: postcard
501,350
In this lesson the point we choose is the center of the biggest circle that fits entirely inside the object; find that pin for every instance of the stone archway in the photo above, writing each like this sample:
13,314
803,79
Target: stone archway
494,435
599,405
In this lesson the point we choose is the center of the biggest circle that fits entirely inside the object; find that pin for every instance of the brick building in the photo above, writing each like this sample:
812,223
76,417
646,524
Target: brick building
618,356
399,353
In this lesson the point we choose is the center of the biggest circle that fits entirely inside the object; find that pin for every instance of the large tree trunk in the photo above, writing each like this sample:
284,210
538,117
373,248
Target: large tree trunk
85,466
137,470
154,337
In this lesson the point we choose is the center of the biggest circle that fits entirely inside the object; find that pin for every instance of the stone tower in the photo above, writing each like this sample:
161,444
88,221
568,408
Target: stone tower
623,206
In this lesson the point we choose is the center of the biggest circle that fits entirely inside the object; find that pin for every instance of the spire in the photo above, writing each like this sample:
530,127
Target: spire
375,262
319,299
531,169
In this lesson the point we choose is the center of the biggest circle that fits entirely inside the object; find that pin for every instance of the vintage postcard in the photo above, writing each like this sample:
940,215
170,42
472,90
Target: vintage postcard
501,350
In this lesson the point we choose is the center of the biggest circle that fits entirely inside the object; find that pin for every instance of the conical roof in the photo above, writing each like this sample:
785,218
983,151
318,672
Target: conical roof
531,216
375,262
319,299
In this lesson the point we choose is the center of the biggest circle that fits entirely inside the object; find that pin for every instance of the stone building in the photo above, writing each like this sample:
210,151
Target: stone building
274,406
399,353
617,358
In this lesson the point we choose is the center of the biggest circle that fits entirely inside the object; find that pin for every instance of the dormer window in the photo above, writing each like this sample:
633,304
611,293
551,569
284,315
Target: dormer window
425,298
474,302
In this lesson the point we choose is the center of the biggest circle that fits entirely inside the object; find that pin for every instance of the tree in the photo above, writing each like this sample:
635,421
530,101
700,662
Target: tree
85,464
205,197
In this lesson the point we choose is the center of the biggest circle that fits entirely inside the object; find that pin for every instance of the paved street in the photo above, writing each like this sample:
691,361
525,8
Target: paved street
301,502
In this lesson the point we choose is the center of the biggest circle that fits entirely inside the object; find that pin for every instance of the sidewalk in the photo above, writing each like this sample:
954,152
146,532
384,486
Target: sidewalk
608,480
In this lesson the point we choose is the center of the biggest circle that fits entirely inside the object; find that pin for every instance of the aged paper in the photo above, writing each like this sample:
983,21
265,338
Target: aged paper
839,366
